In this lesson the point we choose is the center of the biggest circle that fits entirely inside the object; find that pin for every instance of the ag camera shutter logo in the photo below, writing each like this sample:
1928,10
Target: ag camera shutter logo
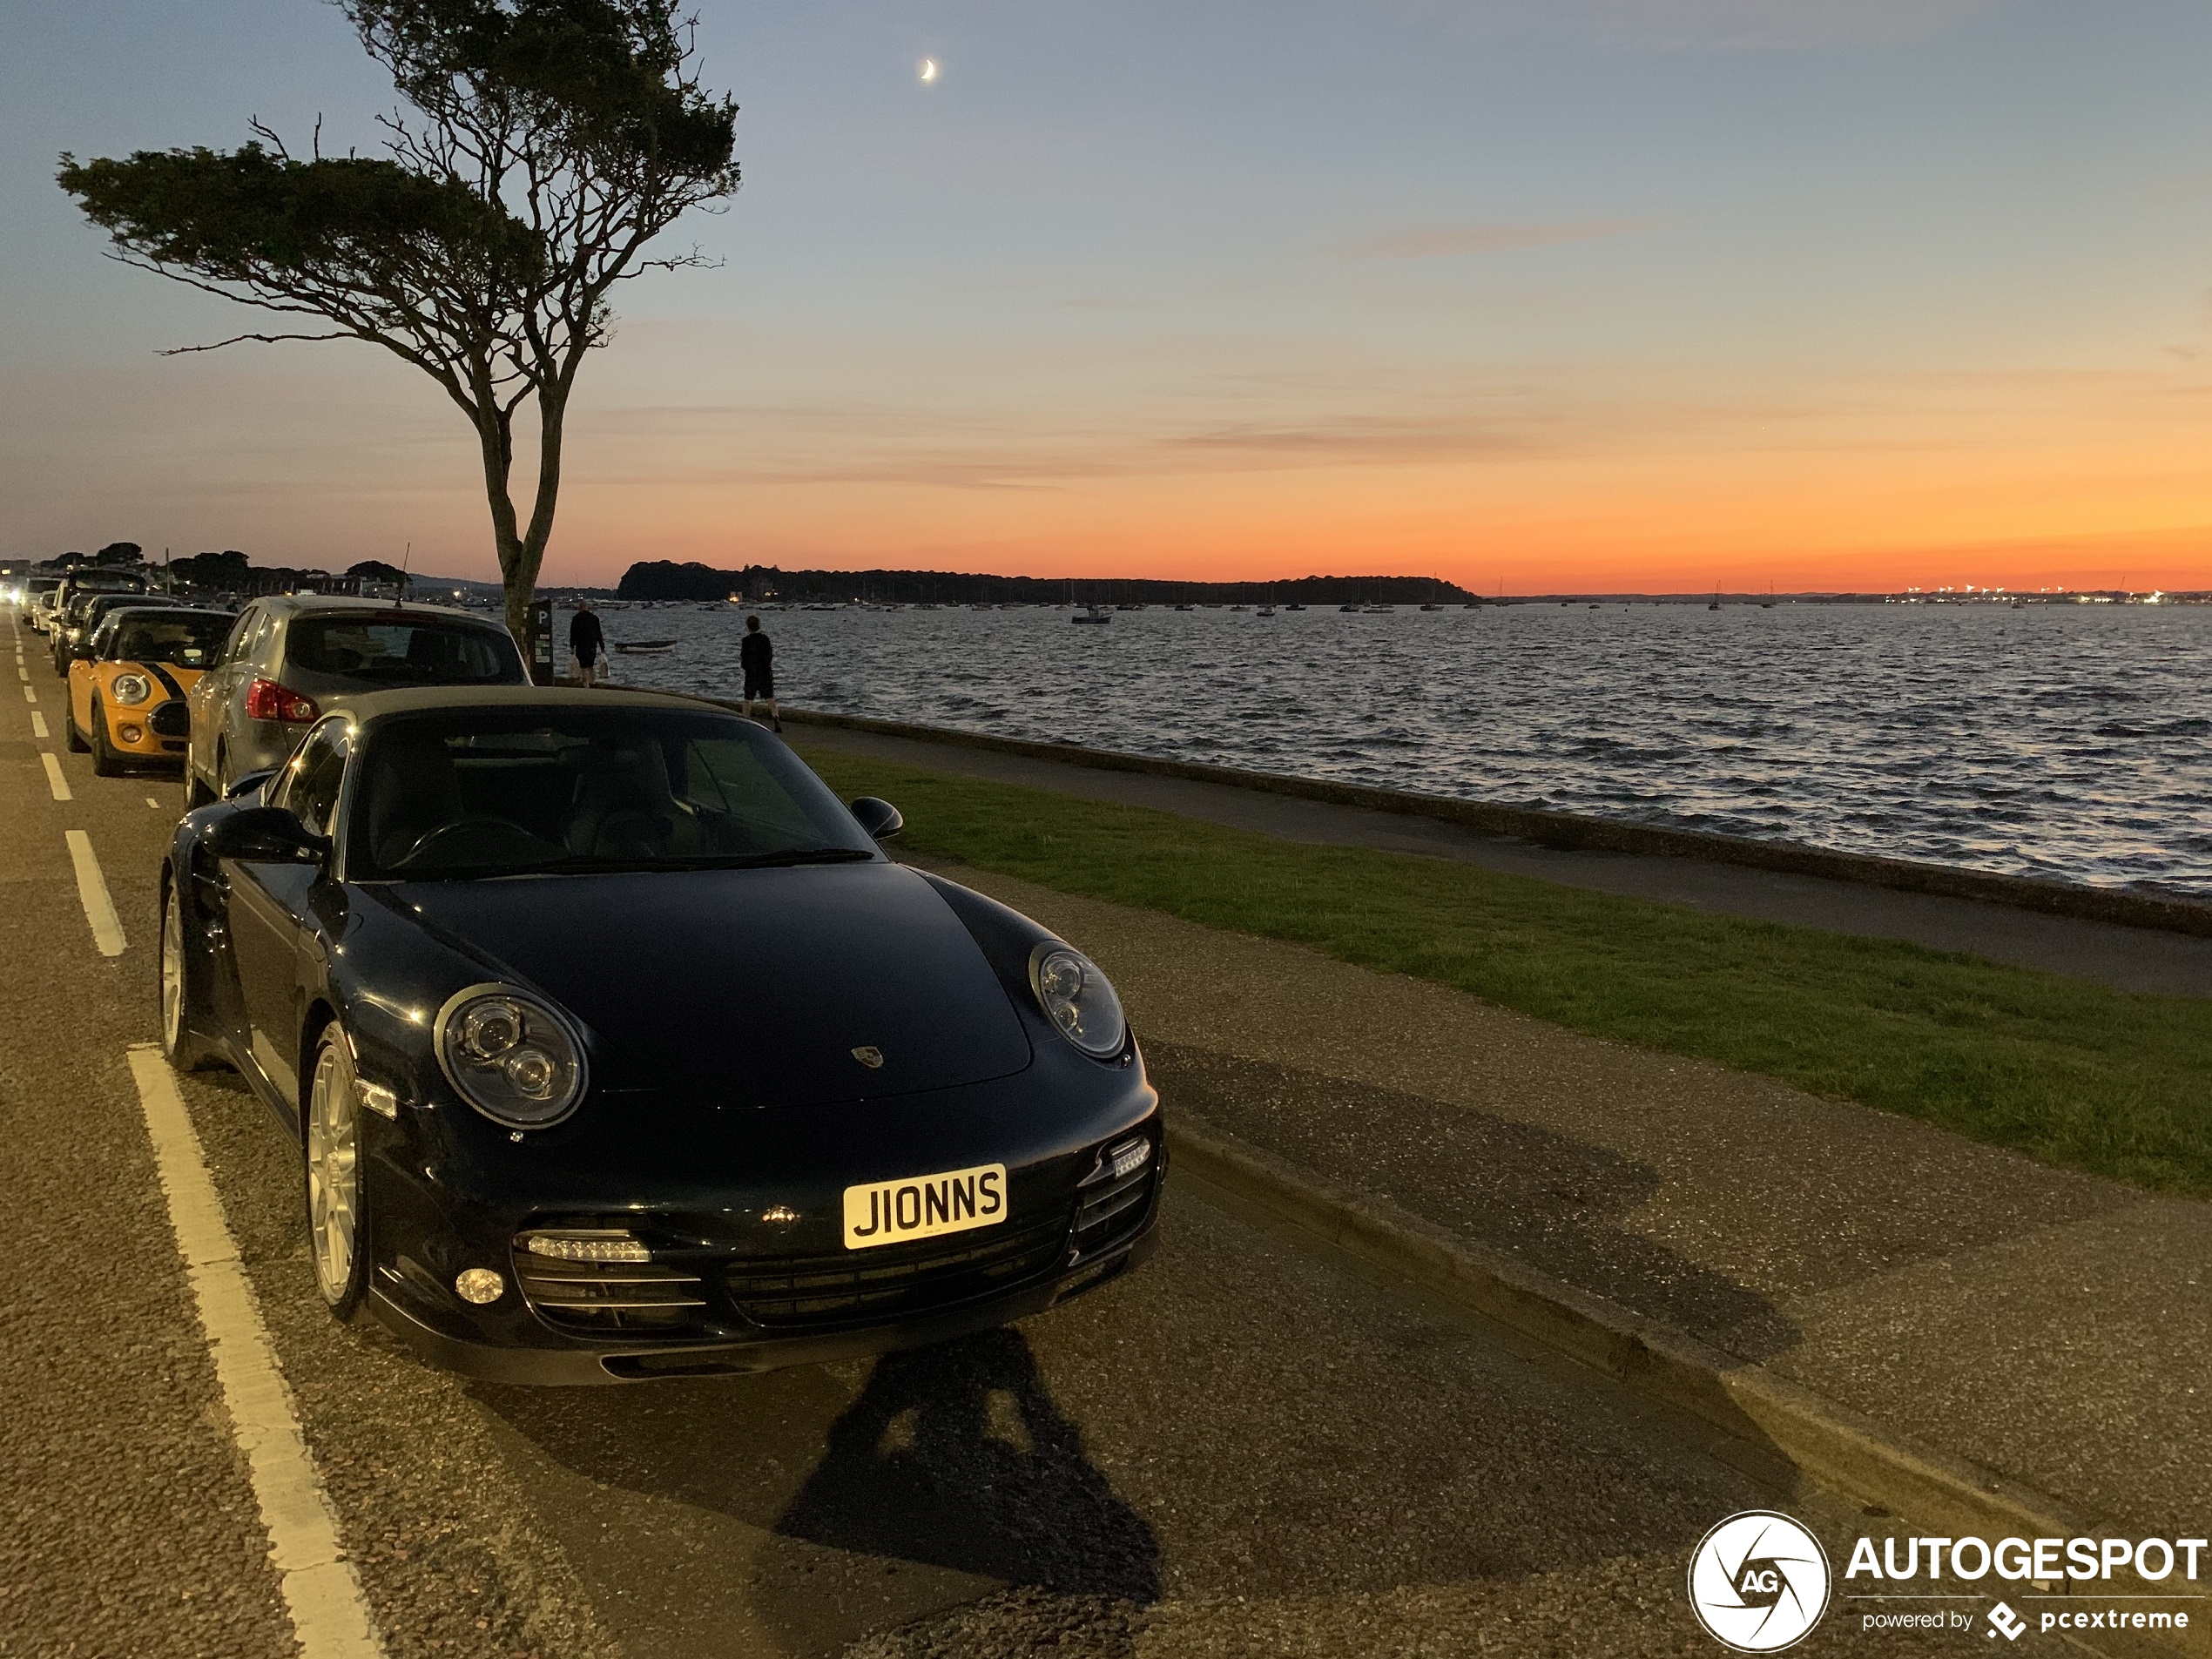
1758,1582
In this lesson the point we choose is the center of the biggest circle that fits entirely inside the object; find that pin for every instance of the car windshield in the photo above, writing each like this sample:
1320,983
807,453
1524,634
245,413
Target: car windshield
190,639
395,649
474,792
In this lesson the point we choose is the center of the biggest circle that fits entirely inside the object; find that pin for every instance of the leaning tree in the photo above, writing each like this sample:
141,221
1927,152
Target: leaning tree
541,146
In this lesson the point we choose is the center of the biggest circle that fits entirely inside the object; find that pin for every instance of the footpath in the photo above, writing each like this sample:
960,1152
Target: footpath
1948,1331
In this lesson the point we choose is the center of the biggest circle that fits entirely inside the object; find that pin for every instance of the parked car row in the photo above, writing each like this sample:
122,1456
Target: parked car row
615,1045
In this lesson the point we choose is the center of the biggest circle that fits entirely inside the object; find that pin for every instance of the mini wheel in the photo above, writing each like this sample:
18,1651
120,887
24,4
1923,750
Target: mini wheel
106,762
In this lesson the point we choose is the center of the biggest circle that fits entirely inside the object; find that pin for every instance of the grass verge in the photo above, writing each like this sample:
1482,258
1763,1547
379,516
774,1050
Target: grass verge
2066,1070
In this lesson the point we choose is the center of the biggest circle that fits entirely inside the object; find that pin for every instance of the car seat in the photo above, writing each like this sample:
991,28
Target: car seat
624,807
412,789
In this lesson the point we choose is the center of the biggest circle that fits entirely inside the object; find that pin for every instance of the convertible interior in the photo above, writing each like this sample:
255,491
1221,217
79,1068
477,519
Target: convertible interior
438,802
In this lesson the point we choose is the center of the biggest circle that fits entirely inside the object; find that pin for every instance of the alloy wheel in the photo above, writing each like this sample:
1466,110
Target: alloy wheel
334,1170
172,972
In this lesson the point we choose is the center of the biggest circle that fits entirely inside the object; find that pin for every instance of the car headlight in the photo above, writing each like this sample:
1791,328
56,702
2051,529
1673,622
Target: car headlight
513,1058
131,688
1078,1001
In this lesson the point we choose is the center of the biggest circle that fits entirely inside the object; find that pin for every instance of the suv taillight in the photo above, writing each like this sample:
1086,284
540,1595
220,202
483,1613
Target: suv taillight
266,700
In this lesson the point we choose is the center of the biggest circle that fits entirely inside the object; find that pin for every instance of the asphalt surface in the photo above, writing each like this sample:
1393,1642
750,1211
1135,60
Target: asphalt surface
1250,1447
2133,959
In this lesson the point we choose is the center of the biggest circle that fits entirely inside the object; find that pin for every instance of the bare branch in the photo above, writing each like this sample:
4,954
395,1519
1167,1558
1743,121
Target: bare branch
267,339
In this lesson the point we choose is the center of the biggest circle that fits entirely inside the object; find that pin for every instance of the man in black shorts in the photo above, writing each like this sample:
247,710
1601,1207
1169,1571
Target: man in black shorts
758,658
587,644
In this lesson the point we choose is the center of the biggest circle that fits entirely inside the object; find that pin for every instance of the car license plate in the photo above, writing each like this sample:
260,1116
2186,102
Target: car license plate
892,1212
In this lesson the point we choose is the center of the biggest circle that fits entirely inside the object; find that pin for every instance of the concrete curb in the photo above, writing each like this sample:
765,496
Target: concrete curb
1548,828
1835,1446
1762,1419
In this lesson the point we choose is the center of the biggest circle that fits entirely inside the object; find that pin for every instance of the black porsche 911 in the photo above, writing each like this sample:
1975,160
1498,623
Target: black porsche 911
616,1047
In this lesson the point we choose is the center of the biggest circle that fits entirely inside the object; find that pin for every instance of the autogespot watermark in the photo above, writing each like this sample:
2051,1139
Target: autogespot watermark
1760,1581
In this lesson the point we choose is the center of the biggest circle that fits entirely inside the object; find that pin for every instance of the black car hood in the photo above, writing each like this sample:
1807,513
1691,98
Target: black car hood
744,987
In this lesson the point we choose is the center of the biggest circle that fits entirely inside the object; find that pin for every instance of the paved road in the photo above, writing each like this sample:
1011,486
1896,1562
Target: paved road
2134,959
1250,1447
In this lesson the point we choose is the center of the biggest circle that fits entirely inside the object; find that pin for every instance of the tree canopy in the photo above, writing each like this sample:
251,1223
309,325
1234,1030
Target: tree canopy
542,146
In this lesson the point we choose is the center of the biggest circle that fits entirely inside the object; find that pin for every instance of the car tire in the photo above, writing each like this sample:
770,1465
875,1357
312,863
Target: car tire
71,732
105,762
182,990
333,1177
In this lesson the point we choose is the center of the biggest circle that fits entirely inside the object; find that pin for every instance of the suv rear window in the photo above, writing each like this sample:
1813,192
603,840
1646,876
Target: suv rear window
403,650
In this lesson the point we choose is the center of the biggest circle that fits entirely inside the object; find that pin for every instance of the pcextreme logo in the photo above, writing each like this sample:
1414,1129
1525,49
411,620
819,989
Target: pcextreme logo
1758,1581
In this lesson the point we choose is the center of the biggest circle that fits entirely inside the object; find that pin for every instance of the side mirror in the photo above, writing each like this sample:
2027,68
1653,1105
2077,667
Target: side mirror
265,835
248,784
880,817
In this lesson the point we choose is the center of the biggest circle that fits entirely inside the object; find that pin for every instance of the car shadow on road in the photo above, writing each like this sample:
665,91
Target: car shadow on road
952,1475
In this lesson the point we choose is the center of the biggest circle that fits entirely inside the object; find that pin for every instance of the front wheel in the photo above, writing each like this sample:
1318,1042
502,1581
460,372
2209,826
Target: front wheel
337,1212
70,730
106,762
183,1046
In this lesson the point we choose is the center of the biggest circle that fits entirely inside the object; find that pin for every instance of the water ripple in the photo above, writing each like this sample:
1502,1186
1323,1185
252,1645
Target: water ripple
2059,741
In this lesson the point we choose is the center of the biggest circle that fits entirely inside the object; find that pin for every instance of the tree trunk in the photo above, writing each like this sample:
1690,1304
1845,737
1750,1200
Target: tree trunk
517,567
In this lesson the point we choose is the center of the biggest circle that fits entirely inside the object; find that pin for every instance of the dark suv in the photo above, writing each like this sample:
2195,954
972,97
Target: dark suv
291,653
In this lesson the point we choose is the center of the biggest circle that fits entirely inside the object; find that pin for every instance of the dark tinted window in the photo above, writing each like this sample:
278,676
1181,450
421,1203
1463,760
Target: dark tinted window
190,639
398,650
511,791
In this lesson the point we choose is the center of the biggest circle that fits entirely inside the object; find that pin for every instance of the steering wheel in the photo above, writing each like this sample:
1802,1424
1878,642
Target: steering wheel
444,837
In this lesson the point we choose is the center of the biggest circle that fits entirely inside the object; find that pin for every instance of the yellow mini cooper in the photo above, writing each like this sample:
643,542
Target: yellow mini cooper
127,695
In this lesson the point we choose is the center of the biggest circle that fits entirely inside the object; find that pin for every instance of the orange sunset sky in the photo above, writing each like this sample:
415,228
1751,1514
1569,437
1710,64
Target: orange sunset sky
1597,296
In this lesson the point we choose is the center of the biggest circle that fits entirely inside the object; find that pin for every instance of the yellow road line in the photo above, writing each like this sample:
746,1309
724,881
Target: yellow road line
37,725
54,781
321,1591
91,892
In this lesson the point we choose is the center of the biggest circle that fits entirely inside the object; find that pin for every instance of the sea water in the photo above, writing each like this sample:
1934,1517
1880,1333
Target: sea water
2071,742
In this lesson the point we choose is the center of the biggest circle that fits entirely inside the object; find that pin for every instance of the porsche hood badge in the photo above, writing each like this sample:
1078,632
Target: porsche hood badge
869,1055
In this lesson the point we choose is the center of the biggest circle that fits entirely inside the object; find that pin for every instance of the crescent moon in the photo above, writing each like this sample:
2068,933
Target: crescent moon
928,71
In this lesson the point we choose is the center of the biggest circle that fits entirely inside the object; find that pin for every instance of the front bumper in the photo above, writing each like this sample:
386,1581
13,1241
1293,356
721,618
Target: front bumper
441,1344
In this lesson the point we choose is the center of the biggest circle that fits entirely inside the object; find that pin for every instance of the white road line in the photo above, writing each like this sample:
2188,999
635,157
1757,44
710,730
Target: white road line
153,802
54,781
29,695
37,725
320,1590
92,890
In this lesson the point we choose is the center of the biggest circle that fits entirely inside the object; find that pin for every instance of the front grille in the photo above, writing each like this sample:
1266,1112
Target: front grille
1113,1195
853,1286
172,719
601,1299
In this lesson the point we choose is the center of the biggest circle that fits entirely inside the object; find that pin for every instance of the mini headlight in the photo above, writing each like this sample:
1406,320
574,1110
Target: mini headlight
515,1059
130,688
1078,1001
